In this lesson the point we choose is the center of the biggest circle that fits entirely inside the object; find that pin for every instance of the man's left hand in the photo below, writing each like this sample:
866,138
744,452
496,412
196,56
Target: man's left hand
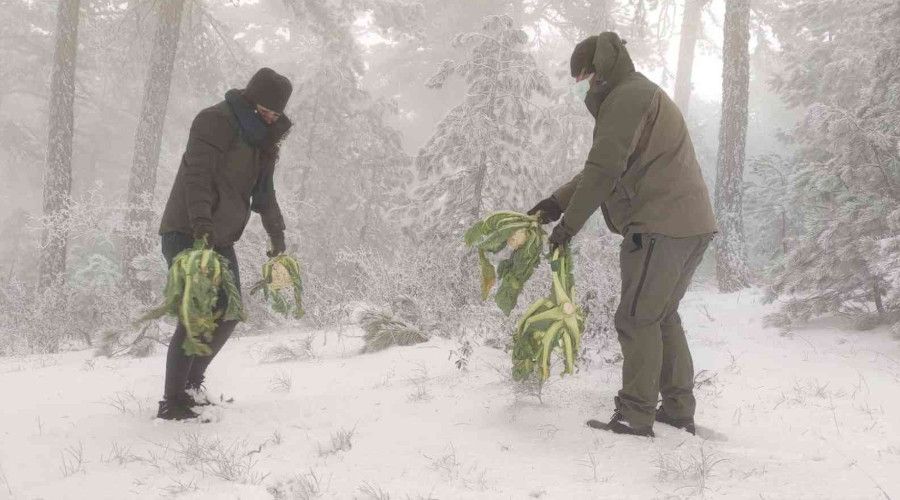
560,237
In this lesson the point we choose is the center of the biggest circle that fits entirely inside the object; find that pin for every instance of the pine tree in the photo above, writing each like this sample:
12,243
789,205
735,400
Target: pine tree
731,268
481,157
563,132
691,30
26,62
769,214
844,67
148,136
58,177
347,160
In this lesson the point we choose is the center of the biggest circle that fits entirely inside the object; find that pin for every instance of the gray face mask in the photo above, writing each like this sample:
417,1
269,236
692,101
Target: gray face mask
580,89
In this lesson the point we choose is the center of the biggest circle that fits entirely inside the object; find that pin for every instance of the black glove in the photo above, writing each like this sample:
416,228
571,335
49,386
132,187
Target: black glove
560,237
549,210
278,246
204,232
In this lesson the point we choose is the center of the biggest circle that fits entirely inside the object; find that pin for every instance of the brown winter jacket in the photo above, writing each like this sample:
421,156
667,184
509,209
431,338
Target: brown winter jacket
222,178
641,171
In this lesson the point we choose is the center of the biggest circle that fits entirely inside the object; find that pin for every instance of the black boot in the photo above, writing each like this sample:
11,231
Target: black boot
196,391
178,408
619,425
686,424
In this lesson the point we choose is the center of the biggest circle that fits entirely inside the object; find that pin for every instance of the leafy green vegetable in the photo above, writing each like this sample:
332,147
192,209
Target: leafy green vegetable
192,293
280,273
550,323
523,235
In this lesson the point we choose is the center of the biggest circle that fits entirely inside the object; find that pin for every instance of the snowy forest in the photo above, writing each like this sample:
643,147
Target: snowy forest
413,120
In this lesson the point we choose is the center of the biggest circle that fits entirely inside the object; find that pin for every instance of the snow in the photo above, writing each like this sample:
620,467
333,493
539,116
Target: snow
812,415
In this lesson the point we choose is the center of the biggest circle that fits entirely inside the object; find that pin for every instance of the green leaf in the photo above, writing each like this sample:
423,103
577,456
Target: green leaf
474,233
494,242
235,308
508,294
504,268
488,275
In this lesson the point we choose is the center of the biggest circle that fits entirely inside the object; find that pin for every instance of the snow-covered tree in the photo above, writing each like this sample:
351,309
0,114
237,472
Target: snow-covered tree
769,214
149,134
691,31
482,156
731,271
27,59
343,163
563,132
58,176
844,67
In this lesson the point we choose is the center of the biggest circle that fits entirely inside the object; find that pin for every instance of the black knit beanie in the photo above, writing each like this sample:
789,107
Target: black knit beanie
269,89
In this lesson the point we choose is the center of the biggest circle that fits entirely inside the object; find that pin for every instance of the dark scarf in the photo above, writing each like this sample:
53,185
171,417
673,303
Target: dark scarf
598,93
253,129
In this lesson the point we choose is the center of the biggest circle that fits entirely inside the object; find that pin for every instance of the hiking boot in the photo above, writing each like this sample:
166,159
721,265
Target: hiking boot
176,409
685,424
619,425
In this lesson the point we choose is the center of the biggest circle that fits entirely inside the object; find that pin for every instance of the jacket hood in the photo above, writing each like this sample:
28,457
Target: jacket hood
611,61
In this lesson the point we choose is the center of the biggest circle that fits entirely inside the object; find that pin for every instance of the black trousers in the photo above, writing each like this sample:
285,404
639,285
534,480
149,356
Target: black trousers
183,371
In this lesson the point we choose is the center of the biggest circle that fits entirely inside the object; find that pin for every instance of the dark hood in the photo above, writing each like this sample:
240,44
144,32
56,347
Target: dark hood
611,63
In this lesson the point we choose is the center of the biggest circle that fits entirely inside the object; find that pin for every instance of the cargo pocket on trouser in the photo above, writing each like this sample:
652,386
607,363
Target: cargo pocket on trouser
643,278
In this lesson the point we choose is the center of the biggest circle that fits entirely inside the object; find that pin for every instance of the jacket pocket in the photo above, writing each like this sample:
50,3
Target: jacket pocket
643,278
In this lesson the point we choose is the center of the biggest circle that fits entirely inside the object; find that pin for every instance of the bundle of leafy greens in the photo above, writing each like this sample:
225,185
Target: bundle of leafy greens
280,273
549,323
191,295
520,233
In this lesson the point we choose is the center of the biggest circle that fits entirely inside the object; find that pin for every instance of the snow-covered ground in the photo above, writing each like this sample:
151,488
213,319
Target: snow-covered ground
812,415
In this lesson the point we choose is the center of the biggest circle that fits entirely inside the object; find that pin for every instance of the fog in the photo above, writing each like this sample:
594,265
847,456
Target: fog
390,131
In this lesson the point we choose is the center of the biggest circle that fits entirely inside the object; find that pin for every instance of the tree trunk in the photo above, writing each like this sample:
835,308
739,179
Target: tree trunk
478,187
784,230
731,266
481,174
58,176
877,291
148,138
691,28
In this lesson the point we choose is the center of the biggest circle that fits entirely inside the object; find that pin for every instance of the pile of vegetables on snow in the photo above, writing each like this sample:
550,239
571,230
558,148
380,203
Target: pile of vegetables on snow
555,321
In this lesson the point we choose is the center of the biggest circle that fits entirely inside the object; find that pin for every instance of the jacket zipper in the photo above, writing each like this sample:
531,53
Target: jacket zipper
637,293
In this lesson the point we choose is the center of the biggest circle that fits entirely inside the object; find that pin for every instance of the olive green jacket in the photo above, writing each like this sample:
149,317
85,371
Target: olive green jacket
221,179
641,171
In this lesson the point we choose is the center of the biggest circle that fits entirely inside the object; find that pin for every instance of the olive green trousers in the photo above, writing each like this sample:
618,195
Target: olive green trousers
656,272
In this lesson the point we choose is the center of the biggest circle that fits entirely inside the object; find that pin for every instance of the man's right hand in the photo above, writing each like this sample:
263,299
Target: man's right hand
547,210
205,234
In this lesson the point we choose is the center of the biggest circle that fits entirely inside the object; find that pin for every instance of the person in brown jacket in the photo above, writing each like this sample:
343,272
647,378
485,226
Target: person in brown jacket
643,174
226,172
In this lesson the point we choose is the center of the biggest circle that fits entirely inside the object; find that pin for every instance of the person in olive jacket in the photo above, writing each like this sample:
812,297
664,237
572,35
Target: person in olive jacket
643,174
226,172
